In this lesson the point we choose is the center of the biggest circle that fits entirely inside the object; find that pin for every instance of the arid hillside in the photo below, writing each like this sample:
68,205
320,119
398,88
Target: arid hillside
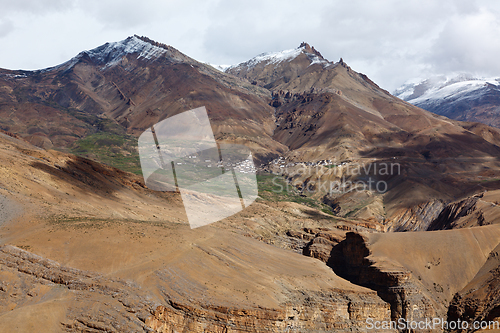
88,247
368,206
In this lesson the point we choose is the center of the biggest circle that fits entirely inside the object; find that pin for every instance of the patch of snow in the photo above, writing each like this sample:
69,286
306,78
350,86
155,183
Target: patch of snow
408,88
454,90
318,60
66,65
16,76
276,58
221,68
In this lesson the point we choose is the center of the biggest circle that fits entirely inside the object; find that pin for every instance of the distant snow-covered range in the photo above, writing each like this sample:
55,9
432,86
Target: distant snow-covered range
221,68
460,96
441,87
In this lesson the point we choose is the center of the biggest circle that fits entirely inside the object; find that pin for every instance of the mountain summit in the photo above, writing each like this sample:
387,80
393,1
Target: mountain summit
110,54
268,67
302,69
302,52
310,49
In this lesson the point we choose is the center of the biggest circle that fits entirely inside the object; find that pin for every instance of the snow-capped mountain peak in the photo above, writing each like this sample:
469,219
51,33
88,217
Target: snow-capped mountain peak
111,54
273,57
276,58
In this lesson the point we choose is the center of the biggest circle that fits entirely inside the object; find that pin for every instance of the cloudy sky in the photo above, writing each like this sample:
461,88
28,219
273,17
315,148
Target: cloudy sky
389,40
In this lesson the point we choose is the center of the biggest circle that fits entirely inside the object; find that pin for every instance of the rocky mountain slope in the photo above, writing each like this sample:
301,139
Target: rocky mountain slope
134,84
461,97
327,111
293,104
88,247
92,249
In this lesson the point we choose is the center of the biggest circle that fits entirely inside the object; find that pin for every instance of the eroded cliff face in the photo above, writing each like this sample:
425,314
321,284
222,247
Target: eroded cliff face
419,273
480,299
325,312
416,218
74,300
477,210
464,213
349,255
394,283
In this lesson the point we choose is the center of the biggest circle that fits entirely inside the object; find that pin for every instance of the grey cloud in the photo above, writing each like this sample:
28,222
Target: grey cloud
377,35
6,26
468,43
34,6
389,40
240,30
118,14
128,13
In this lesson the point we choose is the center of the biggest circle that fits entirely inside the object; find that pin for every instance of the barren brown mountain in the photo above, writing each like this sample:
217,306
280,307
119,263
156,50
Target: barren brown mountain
87,247
326,110
134,83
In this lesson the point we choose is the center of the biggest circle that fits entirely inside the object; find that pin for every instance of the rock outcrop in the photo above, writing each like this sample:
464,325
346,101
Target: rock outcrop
419,273
449,216
394,283
339,312
84,301
479,301
416,218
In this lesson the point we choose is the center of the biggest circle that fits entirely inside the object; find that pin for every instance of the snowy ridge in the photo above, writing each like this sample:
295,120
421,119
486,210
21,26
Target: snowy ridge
408,88
110,54
454,91
440,88
278,57
273,57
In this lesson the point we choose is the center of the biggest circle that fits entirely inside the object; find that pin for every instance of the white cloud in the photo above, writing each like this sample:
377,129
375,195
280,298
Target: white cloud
468,43
389,40
34,6
6,26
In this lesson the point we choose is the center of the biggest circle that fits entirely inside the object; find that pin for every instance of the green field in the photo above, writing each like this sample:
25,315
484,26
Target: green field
275,188
117,150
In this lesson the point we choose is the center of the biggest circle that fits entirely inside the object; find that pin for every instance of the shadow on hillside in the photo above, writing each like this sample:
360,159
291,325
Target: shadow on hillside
448,169
91,176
